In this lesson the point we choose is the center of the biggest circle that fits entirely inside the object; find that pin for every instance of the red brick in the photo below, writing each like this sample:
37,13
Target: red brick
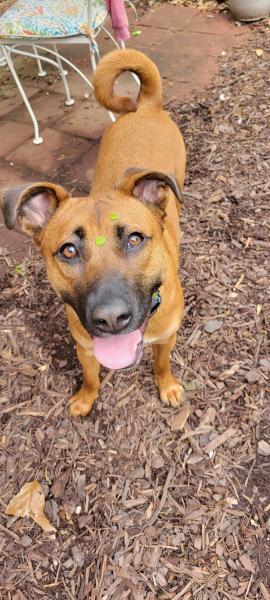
168,16
211,24
126,85
15,100
175,92
48,107
47,158
78,87
196,46
84,169
86,120
12,135
10,176
186,58
151,36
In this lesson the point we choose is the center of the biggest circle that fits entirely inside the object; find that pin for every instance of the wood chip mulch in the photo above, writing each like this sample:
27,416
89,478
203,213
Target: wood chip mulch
202,5
152,503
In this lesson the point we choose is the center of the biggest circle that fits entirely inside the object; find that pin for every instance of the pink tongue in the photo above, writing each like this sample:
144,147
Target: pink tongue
117,351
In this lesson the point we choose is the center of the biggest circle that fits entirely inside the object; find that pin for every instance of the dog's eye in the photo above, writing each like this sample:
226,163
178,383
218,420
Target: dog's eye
69,251
134,240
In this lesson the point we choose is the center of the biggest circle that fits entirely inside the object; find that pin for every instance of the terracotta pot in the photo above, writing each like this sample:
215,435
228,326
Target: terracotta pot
250,10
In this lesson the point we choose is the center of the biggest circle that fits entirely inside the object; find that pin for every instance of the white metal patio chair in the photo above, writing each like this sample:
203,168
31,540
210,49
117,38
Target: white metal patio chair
42,24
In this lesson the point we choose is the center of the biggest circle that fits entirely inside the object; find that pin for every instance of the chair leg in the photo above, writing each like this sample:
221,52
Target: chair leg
37,138
69,101
108,33
93,60
3,61
57,53
41,71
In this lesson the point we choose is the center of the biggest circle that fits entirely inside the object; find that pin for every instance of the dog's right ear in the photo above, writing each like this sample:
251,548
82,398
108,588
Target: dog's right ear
32,204
150,186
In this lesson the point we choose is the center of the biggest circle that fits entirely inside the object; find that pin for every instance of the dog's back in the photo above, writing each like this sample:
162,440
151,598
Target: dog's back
144,136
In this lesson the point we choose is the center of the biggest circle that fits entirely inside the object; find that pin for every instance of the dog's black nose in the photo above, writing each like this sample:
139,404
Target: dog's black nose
111,317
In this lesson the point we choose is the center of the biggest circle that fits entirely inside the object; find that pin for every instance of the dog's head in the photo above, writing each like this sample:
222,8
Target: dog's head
105,255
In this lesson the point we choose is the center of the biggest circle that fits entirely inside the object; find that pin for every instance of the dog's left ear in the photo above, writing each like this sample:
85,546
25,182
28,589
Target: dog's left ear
150,186
32,204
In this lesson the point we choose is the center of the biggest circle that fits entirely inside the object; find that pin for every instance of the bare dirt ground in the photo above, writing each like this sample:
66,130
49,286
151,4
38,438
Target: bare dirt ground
149,502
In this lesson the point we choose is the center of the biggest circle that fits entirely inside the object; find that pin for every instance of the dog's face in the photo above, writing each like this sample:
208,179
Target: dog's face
105,256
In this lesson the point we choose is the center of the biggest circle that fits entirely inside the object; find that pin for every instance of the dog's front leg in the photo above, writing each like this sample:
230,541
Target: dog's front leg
81,403
170,390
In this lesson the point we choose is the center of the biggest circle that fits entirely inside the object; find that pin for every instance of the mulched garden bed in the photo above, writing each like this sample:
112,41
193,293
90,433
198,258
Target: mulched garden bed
204,5
150,502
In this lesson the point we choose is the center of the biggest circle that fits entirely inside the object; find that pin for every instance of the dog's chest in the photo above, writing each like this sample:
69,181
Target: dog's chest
161,338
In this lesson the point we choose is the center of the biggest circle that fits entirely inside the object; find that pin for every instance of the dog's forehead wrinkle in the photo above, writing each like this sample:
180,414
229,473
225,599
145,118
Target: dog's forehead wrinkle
80,232
120,231
96,212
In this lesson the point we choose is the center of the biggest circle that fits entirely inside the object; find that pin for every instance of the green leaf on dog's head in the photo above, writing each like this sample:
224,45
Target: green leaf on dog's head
100,240
114,216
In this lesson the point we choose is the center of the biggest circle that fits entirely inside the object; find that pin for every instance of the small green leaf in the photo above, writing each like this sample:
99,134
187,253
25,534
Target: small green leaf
114,216
19,269
136,32
190,386
100,240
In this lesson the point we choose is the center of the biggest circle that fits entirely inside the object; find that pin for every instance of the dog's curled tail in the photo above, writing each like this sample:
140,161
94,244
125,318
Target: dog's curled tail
117,62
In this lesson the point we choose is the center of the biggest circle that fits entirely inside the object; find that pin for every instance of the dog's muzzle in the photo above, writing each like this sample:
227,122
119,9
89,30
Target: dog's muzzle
124,351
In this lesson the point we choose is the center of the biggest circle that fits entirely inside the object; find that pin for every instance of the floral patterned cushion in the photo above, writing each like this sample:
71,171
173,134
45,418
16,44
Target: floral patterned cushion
50,18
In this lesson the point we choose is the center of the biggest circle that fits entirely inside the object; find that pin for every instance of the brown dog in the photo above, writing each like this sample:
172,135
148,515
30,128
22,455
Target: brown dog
113,256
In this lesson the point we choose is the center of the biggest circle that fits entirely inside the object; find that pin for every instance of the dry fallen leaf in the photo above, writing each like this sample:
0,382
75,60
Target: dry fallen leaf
219,440
149,510
259,52
179,420
231,501
59,485
246,562
264,448
216,196
264,591
258,309
30,502
230,372
208,418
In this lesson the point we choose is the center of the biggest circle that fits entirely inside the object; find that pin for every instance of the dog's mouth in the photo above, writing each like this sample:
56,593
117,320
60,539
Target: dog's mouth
123,351
120,351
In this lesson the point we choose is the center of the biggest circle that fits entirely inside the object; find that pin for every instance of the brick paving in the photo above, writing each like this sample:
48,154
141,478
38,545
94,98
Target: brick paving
184,43
48,157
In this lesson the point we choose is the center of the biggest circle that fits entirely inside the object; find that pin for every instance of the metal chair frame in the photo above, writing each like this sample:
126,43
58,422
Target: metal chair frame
10,46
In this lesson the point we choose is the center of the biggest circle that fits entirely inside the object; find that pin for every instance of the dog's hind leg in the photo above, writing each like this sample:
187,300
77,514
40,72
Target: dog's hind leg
81,403
170,390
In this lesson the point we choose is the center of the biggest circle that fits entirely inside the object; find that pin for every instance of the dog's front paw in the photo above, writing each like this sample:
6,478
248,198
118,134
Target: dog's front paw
171,392
82,402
